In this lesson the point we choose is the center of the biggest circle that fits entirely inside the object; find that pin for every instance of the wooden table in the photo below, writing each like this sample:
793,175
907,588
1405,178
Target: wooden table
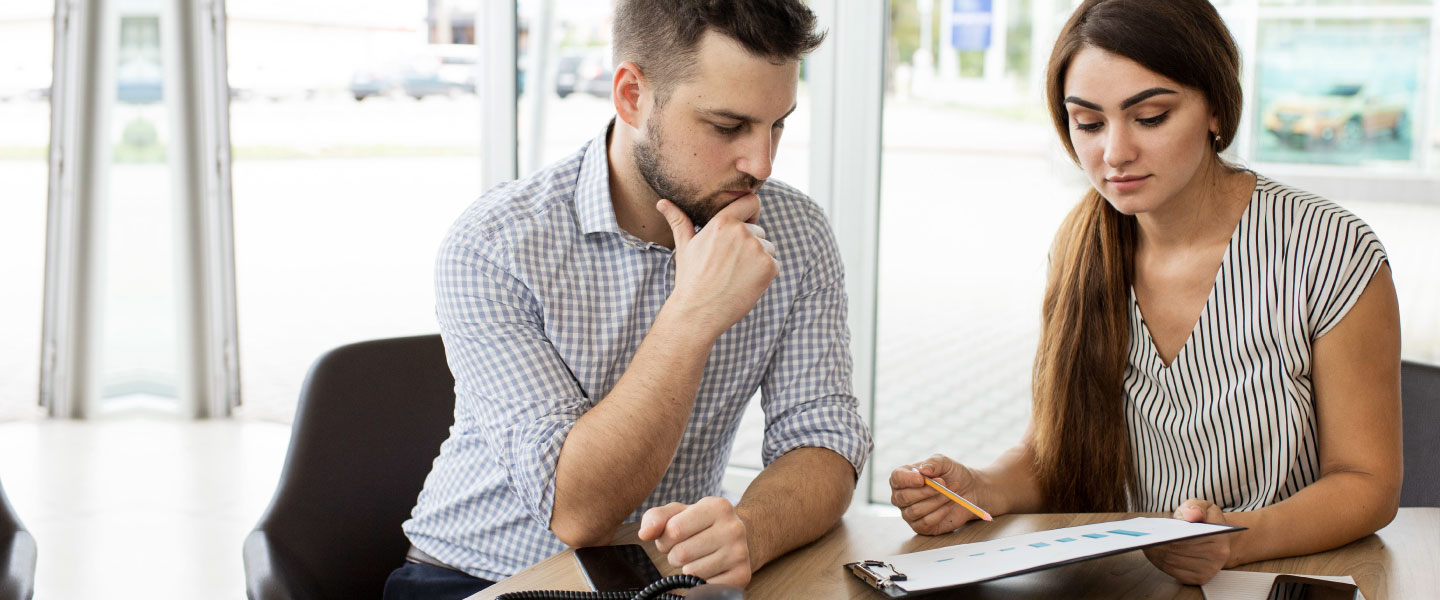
1400,561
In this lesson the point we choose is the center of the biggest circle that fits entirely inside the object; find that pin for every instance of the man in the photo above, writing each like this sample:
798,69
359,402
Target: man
608,318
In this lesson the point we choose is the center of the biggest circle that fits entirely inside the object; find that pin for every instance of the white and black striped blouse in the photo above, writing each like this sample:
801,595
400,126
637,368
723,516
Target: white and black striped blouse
1232,419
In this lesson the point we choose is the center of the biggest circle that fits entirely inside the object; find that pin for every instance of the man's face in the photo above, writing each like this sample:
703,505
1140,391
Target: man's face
713,140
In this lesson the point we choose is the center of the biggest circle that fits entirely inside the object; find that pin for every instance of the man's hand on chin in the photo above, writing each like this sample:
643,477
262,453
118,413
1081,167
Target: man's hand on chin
706,539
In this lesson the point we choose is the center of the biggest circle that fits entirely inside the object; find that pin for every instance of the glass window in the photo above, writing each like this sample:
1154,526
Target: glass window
1407,229
1434,128
1359,3
1340,91
26,31
566,103
355,137
139,327
973,185
1337,84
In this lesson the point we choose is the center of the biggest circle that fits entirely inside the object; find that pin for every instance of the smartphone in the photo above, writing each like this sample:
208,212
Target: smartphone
1294,587
624,568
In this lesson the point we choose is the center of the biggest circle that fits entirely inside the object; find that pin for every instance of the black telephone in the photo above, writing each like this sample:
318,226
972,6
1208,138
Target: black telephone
626,573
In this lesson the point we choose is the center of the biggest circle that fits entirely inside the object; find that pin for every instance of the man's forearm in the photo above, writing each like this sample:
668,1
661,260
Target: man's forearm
618,451
795,500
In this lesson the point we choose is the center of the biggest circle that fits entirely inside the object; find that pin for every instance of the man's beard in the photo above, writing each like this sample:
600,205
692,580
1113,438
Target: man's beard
666,185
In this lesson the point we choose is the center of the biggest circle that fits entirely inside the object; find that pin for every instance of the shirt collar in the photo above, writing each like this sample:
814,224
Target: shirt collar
592,189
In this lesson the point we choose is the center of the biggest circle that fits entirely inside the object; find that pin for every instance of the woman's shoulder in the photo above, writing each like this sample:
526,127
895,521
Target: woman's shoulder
1296,212
1329,251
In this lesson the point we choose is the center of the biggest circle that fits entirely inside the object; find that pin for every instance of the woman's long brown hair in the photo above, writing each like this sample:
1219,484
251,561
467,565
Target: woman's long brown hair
1083,460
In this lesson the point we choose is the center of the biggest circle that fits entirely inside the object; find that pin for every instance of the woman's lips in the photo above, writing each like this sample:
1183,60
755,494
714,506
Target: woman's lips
1128,182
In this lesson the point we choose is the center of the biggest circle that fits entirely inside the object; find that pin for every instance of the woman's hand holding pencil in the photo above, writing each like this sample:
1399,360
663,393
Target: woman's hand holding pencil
938,495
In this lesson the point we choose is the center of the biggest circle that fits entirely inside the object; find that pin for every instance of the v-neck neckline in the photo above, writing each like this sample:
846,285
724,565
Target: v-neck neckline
1210,299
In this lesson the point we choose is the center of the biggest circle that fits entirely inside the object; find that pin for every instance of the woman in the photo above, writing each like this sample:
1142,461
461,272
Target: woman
1213,342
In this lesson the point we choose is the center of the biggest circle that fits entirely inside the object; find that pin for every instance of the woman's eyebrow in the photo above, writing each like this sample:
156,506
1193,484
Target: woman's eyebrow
1129,102
1142,96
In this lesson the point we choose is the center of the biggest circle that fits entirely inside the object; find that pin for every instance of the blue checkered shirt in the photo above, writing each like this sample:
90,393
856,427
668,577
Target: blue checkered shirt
543,300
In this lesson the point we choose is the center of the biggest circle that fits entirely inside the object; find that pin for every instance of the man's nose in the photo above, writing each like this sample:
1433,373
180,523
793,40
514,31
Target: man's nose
758,156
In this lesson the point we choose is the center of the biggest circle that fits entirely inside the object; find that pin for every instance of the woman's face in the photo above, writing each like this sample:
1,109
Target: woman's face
1142,138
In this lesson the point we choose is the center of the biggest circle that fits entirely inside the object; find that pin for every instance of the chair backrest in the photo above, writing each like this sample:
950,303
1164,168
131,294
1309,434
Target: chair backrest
370,422
17,555
1420,397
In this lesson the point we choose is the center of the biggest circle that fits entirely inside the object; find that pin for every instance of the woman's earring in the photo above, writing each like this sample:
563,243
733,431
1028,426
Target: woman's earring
1216,138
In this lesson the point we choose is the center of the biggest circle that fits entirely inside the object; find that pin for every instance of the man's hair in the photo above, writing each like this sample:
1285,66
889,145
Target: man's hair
662,36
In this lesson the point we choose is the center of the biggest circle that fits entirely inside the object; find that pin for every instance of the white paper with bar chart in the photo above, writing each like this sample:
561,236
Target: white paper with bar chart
964,564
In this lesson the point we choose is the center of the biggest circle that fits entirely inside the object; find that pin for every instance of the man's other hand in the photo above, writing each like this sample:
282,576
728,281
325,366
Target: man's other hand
706,539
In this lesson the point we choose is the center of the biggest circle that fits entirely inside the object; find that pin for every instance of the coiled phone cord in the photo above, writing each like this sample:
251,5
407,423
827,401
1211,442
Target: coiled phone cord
654,591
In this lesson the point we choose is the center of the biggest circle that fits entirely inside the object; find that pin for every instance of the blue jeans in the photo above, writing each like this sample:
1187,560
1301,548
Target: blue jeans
416,581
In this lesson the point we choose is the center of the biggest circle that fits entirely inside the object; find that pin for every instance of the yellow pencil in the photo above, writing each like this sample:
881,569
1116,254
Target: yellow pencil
979,512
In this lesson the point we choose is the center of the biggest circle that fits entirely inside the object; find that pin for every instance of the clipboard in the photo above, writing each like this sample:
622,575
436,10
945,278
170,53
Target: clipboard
906,575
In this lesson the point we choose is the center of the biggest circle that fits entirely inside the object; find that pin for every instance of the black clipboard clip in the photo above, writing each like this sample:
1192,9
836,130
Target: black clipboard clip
878,573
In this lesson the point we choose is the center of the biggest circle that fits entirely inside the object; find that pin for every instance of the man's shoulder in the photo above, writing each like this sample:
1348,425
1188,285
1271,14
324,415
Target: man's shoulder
782,205
539,199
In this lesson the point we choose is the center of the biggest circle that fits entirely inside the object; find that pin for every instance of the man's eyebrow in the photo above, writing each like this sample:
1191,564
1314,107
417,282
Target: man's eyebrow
721,113
1129,102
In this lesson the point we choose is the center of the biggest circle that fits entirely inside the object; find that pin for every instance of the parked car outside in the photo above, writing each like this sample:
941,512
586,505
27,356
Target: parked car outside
443,70
375,80
586,71
567,68
25,82
270,82
1345,114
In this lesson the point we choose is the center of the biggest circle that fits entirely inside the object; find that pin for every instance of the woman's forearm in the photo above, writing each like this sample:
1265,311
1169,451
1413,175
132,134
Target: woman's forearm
1341,507
1012,476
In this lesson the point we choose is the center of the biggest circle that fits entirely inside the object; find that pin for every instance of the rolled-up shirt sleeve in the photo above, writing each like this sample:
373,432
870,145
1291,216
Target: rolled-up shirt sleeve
807,395
511,385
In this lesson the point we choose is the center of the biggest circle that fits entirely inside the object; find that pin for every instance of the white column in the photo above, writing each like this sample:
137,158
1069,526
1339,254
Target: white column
949,63
1043,29
995,58
924,59
845,167
82,82
495,40
540,80
195,60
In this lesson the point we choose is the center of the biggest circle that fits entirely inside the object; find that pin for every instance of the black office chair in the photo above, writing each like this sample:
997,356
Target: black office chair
17,555
370,422
1420,398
